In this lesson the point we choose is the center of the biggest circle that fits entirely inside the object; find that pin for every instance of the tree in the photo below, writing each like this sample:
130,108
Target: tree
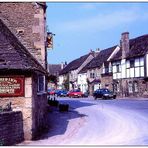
66,83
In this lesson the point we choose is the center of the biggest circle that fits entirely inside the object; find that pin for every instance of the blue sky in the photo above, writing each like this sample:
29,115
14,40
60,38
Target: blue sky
80,27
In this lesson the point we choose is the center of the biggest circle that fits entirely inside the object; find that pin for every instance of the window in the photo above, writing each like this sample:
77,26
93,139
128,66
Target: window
106,70
135,67
135,86
118,68
41,83
116,87
130,87
132,63
92,75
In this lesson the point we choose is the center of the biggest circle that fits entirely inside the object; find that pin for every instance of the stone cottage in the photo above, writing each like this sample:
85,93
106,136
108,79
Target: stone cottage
97,73
23,62
70,72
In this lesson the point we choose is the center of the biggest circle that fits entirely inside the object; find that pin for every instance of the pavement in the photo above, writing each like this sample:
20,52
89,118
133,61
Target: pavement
89,122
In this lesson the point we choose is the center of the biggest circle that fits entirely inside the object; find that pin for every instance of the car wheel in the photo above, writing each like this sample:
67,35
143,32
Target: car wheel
103,97
114,97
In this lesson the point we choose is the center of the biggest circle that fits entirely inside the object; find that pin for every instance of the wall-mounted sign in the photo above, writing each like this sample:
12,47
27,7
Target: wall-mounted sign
11,86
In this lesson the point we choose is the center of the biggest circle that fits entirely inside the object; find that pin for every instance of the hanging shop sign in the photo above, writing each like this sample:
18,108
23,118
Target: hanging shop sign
11,86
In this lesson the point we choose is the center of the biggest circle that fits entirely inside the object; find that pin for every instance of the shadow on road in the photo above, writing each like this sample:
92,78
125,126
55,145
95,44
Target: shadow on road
58,121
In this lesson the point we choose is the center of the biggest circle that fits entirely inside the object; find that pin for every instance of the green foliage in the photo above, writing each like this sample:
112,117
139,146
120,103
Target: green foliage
52,79
66,83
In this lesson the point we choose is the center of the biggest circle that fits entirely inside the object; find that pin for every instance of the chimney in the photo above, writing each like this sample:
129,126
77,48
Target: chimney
98,50
62,65
124,44
65,64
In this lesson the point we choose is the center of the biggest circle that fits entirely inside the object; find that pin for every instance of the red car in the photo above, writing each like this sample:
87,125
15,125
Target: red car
51,92
75,93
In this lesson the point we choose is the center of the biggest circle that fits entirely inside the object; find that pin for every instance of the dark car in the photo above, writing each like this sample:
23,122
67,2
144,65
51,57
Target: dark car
104,94
61,93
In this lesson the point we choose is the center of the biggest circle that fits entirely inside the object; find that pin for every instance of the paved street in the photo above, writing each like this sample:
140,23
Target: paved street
98,122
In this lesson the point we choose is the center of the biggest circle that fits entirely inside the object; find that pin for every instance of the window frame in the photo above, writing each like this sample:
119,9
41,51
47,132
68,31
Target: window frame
43,82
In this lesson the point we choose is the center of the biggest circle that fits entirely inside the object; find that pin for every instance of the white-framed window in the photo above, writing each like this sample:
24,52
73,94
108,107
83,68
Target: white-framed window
135,67
41,83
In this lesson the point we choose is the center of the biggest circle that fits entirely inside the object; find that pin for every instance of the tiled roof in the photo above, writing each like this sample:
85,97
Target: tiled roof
74,64
13,55
54,69
138,47
99,60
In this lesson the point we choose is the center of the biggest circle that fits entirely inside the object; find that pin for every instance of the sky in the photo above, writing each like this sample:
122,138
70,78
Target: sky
81,27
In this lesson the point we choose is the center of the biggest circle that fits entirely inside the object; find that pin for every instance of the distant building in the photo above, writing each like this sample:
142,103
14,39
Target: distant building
53,78
69,74
97,73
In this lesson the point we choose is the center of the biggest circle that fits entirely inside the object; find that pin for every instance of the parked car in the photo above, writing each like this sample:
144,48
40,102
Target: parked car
51,92
104,94
75,93
61,93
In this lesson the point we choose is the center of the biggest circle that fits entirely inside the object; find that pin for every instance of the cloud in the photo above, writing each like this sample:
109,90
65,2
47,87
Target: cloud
103,21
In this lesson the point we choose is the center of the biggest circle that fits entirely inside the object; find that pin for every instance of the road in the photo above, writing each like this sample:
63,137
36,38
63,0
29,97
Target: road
98,122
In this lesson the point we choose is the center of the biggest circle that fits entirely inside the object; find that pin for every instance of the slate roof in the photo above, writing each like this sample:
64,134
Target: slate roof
74,64
54,69
138,47
13,55
99,60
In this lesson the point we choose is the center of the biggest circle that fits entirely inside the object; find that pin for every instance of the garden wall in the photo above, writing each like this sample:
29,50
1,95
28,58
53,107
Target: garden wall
11,128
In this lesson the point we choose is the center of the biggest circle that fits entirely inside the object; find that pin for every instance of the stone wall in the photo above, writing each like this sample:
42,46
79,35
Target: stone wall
142,88
11,128
107,79
28,21
23,104
39,109
32,105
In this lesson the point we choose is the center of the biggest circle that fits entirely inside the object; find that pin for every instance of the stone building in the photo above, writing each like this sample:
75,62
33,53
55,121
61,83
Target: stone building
130,67
28,22
23,62
53,78
98,71
70,72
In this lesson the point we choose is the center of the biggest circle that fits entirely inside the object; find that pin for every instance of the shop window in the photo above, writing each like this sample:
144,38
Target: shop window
41,83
